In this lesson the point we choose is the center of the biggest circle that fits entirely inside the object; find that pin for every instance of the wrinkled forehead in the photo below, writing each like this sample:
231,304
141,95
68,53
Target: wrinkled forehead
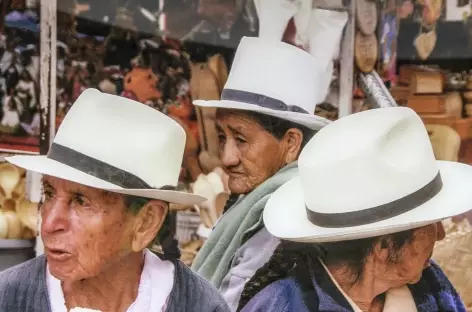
222,113
66,186
236,120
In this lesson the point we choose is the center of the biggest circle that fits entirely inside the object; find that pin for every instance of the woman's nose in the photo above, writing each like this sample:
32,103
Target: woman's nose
229,154
54,216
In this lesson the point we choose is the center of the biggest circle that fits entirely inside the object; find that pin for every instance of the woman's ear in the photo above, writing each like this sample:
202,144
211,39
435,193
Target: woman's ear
381,250
148,222
293,140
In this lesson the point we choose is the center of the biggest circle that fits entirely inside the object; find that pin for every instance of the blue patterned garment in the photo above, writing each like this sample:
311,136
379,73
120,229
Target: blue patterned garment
433,293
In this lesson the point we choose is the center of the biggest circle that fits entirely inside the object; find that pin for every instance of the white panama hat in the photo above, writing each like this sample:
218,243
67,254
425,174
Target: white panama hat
116,144
365,175
276,79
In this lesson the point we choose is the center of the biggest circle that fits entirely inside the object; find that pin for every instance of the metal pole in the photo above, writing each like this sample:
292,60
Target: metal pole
346,79
53,69
47,79
47,96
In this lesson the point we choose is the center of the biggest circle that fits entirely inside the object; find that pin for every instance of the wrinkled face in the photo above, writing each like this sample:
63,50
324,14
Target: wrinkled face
415,256
249,154
84,230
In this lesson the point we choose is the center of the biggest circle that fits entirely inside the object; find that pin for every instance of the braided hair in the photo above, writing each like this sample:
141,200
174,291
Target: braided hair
286,258
290,257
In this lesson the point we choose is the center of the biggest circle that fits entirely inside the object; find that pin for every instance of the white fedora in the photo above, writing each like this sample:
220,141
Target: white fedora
274,78
365,175
116,144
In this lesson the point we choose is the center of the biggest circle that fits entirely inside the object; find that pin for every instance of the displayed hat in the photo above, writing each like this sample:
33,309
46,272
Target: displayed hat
274,16
9,178
217,65
107,86
116,144
368,174
274,78
63,46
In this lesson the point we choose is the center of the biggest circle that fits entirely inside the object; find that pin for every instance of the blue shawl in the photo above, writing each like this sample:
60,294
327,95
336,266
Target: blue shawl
433,293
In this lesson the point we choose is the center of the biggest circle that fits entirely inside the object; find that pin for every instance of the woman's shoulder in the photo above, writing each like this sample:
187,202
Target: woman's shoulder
25,272
194,292
284,295
22,287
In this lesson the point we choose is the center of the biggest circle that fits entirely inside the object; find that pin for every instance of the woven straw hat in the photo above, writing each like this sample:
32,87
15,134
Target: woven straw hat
217,65
9,178
425,44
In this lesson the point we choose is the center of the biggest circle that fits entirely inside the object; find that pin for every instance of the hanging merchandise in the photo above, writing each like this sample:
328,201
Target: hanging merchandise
432,10
206,83
217,65
366,16
142,83
326,29
250,15
303,23
458,10
221,15
274,16
426,40
366,47
366,52
388,43
425,43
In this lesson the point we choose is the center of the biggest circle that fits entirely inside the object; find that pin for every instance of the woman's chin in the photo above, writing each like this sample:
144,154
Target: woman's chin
65,271
62,273
239,185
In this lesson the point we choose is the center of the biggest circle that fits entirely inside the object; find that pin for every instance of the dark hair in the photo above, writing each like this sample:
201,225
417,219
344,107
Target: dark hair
290,256
278,127
165,238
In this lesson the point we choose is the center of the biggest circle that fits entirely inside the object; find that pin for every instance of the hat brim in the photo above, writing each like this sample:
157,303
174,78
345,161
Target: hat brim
46,166
311,121
285,214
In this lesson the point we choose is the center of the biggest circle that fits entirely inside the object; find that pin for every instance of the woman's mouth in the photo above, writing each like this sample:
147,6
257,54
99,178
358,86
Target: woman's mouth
57,255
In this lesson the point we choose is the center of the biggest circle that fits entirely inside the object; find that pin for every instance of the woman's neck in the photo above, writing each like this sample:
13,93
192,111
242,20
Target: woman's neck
363,290
113,290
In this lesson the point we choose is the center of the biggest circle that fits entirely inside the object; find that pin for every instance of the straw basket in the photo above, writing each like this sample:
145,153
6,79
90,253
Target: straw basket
446,142
454,256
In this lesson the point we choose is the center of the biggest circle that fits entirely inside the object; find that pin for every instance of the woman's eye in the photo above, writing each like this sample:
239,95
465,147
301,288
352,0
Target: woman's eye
47,194
240,139
221,138
80,199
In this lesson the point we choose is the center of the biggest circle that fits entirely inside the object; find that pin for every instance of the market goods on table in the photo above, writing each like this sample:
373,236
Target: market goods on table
18,216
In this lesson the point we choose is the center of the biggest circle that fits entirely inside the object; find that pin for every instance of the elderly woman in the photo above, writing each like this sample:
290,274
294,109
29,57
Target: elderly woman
359,224
107,179
263,120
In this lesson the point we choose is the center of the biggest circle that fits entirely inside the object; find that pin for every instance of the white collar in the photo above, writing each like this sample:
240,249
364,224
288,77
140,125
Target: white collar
396,299
155,286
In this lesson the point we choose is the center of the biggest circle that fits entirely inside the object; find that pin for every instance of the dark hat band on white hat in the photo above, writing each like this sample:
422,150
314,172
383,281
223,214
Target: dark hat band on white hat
98,168
378,213
259,100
